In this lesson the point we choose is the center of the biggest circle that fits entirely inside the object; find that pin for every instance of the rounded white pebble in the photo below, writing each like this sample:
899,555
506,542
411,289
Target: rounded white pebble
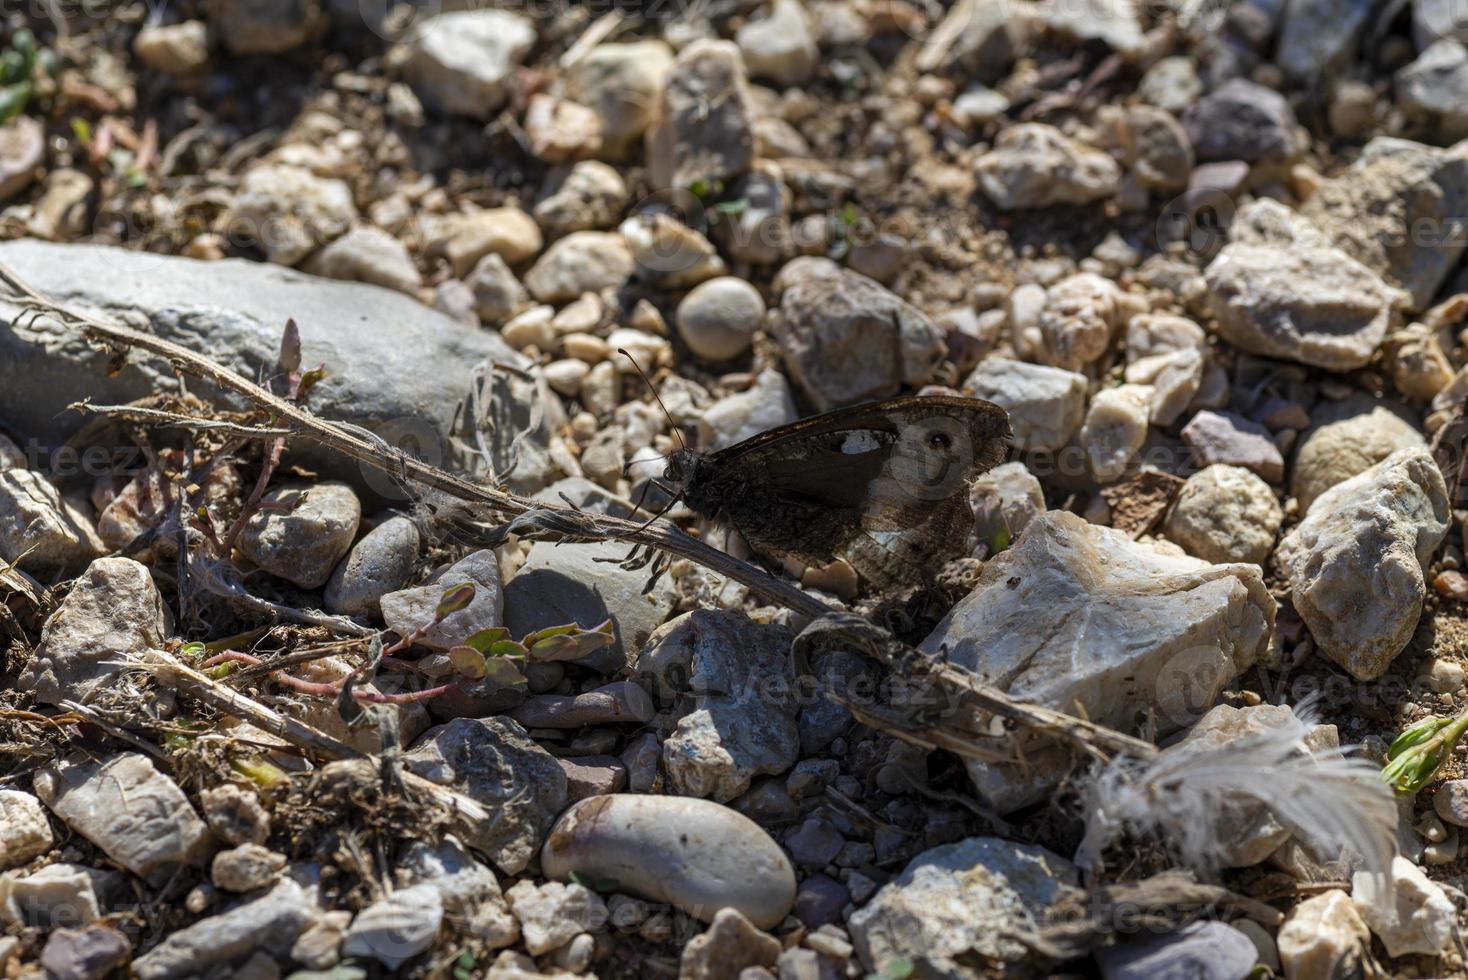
695,854
718,319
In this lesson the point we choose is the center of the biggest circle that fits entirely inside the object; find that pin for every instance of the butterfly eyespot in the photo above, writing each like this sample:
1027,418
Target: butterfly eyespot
939,440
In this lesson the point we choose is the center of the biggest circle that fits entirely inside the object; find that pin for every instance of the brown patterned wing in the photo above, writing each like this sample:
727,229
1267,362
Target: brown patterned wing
884,485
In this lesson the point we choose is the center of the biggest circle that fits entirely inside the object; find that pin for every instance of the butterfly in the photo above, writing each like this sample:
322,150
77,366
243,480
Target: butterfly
883,485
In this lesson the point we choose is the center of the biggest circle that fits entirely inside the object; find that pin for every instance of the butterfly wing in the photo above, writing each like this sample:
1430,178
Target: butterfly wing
884,485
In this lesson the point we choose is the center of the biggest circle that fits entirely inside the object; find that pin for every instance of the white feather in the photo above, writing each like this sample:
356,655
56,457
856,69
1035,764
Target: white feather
1335,803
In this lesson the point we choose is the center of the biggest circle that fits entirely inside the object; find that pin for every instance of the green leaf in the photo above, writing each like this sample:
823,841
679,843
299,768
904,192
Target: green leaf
899,969
530,639
12,67
13,99
503,672
1416,734
568,642
509,649
732,208
485,639
310,379
194,649
23,42
453,600
999,538
81,129
468,662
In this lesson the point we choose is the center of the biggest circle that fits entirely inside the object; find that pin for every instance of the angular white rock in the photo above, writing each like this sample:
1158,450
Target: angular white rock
59,894
1080,616
582,262
1300,302
459,62
668,253
766,404
39,529
135,814
1114,429
396,928
1034,165
24,831
290,212
1323,937
976,899
1045,404
1415,916
779,46
551,914
112,612
1356,562
1080,316
368,254
623,83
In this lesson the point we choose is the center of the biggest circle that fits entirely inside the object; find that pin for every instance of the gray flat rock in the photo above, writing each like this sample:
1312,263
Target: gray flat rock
394,365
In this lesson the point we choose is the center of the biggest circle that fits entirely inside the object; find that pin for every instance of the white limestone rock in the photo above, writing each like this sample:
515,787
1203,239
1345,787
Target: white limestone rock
1356,562
1045,404
1225,514
1080,616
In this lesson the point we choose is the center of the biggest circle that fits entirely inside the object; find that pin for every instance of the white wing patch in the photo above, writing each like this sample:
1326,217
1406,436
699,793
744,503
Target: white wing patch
860,441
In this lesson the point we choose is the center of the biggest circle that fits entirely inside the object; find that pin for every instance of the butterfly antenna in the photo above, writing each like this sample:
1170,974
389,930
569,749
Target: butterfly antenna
659,398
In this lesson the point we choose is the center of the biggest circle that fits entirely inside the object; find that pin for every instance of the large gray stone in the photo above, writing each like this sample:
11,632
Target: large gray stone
493,761
729,682
393,365
582,584
270,923
135,814
1319,37
1401,209
1356,564
1083,619
113,611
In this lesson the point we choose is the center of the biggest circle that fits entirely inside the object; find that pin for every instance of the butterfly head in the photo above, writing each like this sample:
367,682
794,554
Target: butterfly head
682,464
